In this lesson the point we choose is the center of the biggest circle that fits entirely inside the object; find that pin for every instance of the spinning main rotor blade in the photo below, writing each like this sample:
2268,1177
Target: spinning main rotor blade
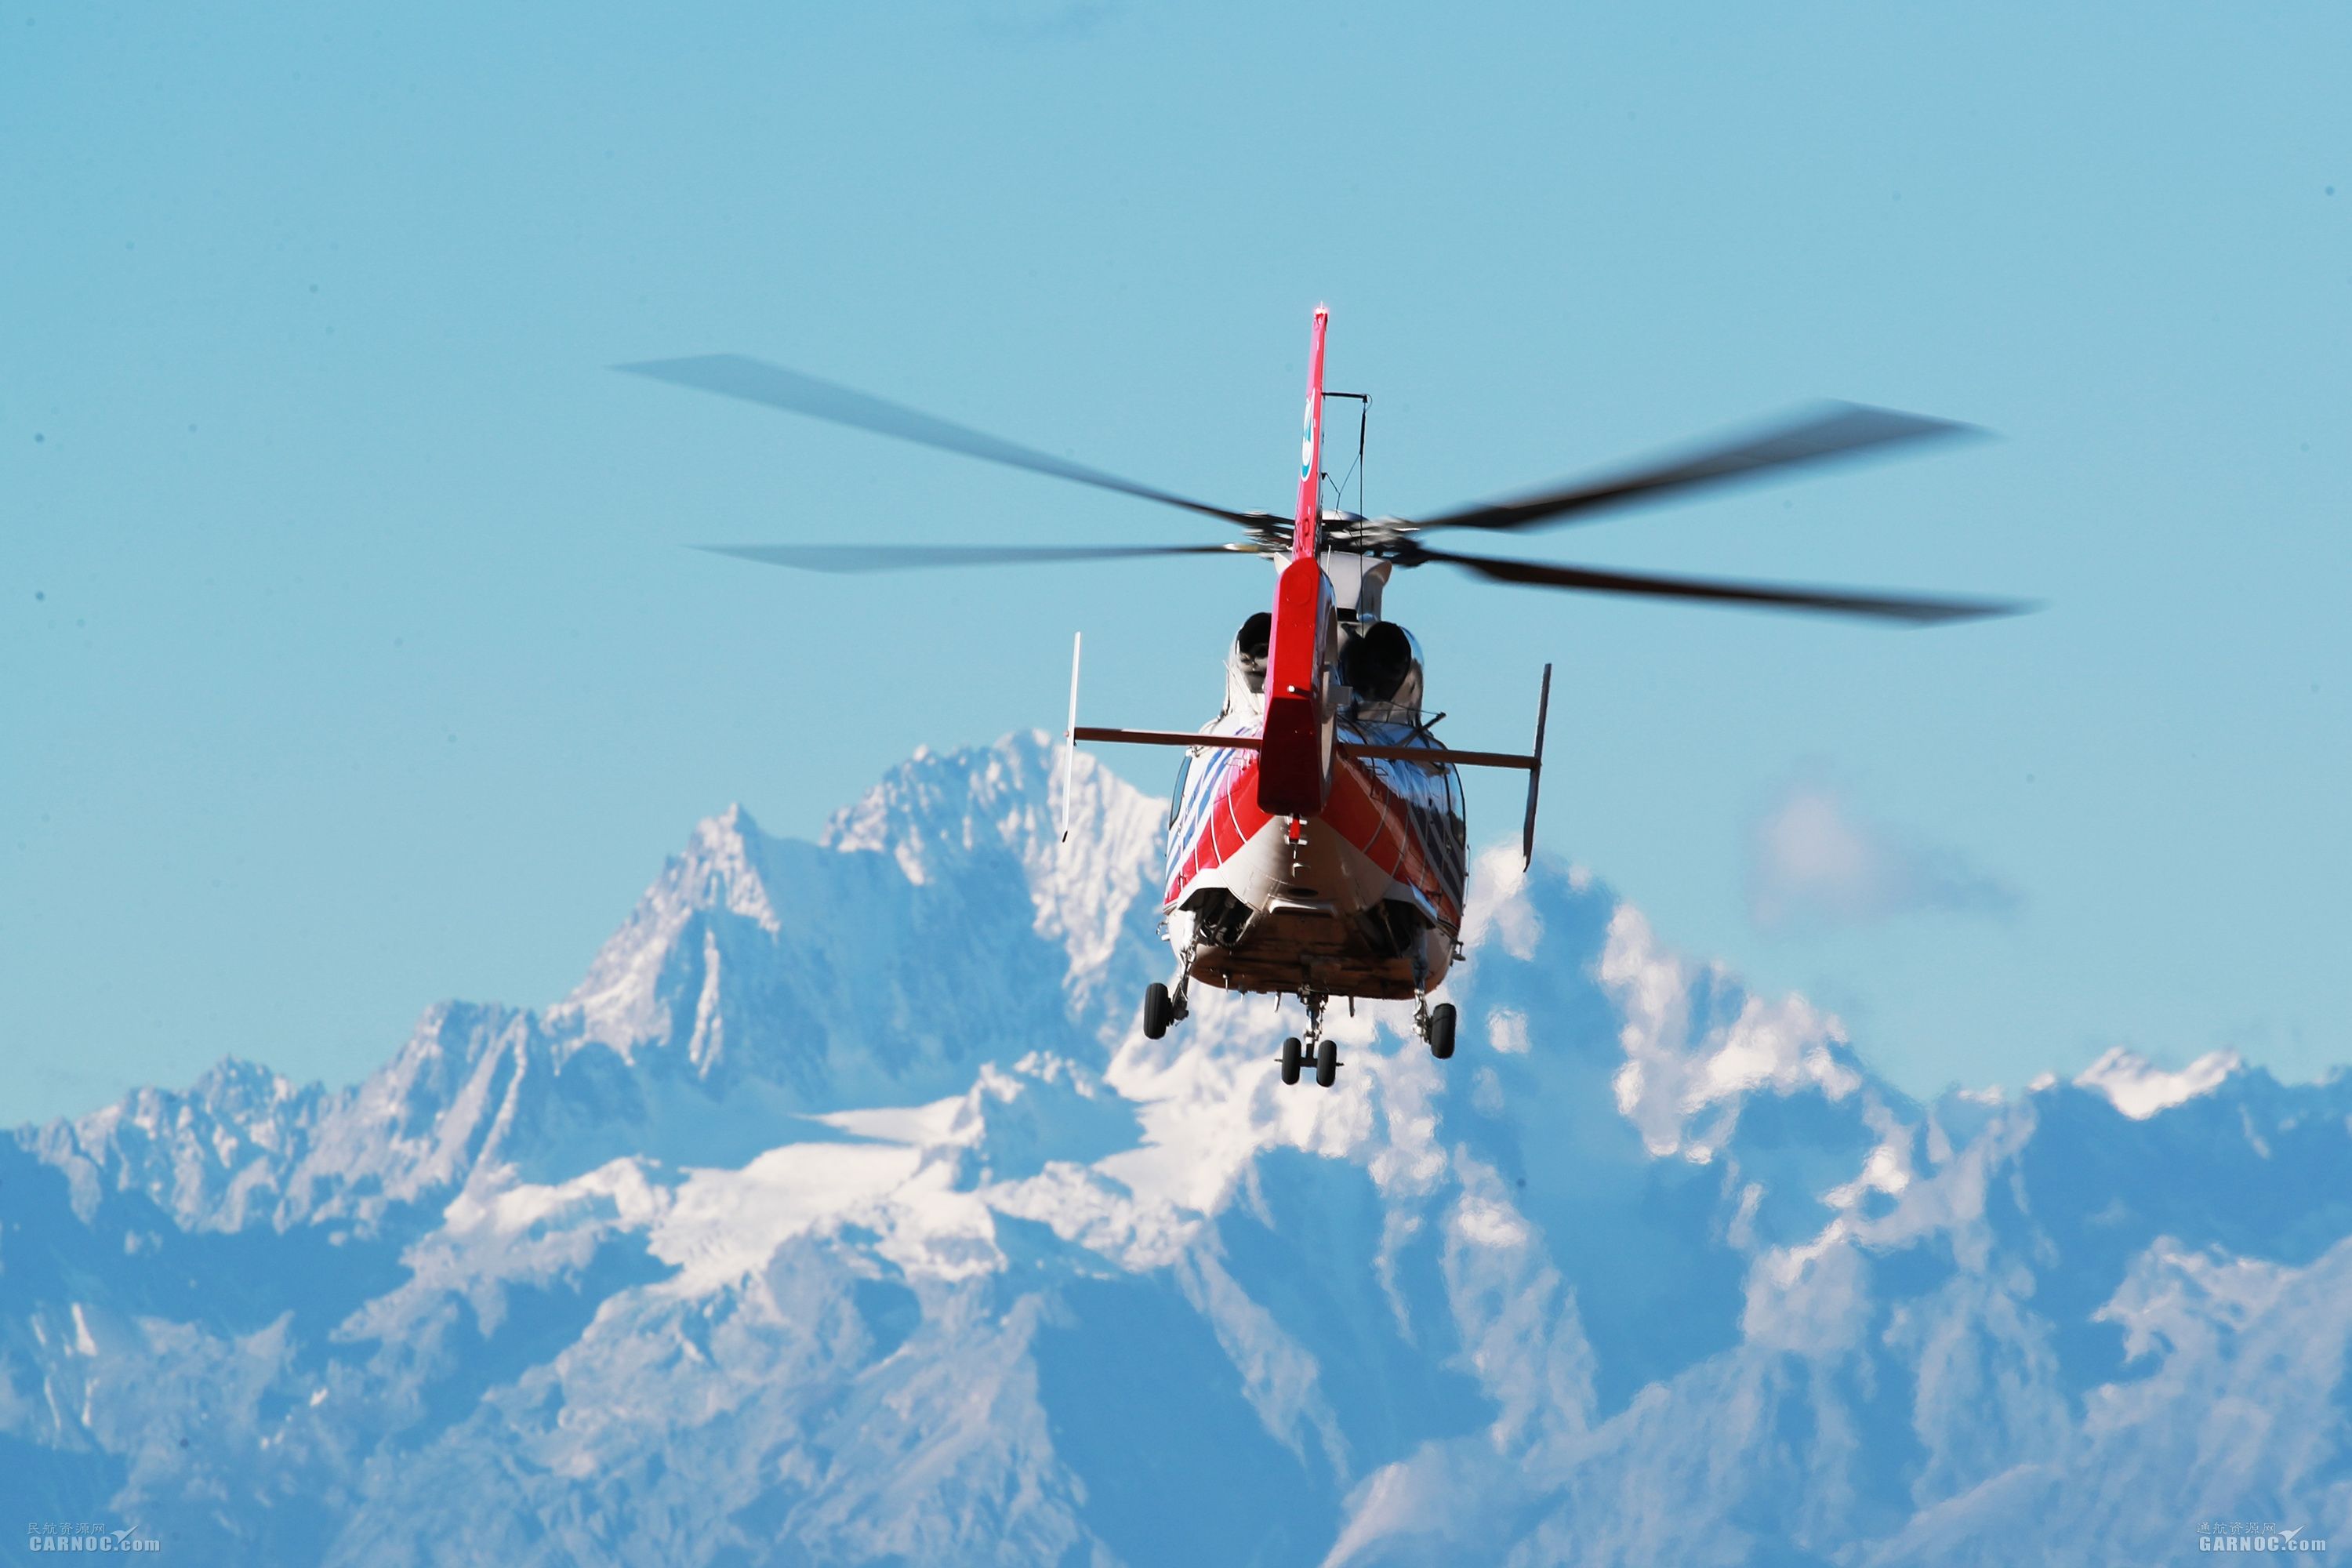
905,557
756,381
1910,609
1833,430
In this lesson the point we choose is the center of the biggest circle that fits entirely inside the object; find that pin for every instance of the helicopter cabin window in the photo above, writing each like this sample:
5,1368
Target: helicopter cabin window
1456,816
1176,793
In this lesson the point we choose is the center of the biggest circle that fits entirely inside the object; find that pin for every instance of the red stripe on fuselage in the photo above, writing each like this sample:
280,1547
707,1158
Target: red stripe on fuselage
1231,821
1369,815
1362,809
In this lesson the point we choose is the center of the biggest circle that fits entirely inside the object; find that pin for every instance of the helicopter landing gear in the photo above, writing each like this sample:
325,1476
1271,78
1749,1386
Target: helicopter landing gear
1437,1028
1435,1024
1161,1008
1316,1050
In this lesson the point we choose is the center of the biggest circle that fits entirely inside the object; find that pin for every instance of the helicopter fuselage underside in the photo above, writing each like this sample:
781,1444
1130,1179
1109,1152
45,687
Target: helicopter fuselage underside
1363,898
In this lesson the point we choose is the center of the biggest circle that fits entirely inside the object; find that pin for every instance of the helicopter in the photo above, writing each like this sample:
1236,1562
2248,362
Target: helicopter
1316,840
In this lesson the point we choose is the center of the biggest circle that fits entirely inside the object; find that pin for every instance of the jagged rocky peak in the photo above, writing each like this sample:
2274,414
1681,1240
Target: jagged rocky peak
942,921
2139,1089
939,807
208,1155
938,816
1686,1044
723,869
232,1094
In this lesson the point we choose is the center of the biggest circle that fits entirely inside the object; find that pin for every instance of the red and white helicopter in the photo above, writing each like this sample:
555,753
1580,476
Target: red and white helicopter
1316,843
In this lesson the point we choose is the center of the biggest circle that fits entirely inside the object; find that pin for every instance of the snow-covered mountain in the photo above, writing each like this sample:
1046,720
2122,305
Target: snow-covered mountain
843,1214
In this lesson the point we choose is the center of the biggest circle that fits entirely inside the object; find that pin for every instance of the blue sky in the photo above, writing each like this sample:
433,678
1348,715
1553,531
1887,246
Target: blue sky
353,660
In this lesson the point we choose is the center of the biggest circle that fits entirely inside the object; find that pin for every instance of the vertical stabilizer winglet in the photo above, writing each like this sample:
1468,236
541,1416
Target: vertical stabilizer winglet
1303,542
1535,772
1070,736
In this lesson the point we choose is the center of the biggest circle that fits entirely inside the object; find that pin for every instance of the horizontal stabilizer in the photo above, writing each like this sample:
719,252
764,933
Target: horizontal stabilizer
1162,738
1438,754
1347,748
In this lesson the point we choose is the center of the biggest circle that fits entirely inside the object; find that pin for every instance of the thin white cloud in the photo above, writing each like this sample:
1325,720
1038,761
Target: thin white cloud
1813,861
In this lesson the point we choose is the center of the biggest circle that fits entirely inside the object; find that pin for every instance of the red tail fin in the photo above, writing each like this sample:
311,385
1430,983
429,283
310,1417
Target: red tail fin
1295,756
1310,449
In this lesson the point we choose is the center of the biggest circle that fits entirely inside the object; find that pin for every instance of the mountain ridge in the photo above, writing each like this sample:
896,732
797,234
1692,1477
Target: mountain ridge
843,1213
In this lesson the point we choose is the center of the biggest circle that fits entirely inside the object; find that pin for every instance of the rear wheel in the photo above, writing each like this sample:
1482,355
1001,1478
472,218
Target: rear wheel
1327,1061
1294,1056
1159,1011
1440,1030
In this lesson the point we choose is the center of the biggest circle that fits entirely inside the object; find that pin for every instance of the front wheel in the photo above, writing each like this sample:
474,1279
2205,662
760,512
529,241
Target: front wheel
1440,1030
1294,1056
1327,1061
1159,1011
